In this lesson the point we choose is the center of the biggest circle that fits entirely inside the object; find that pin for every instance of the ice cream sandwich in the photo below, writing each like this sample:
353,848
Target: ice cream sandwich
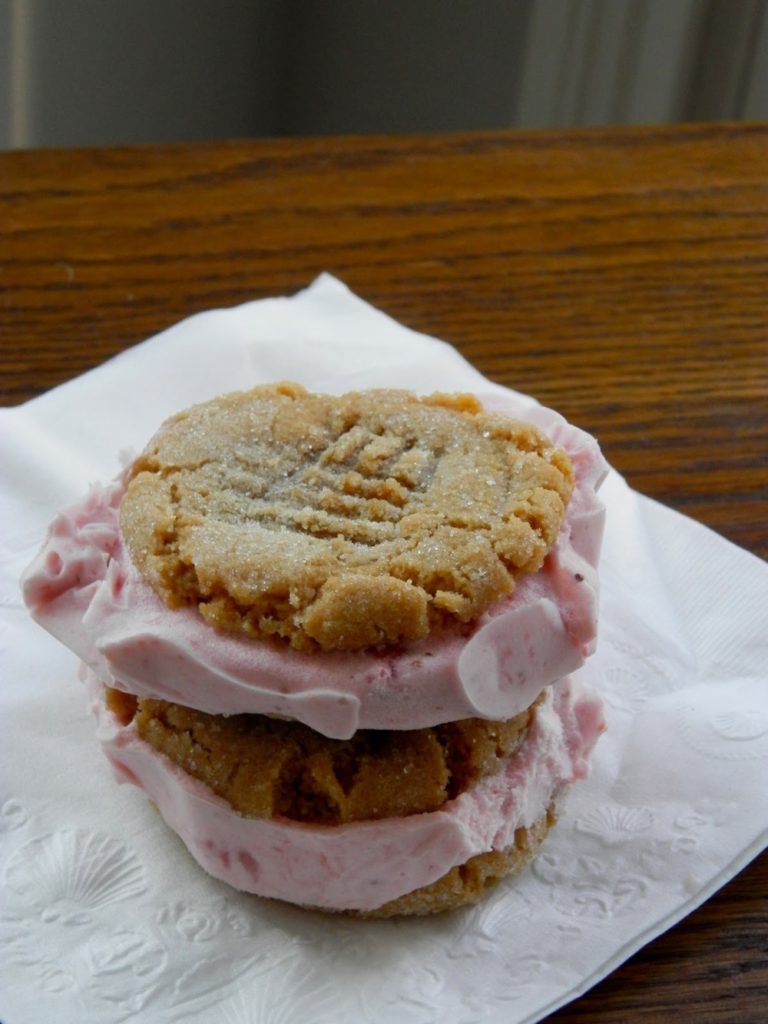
332,637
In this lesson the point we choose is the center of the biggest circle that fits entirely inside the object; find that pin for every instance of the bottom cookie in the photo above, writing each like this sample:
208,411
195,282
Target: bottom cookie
469,883
417,864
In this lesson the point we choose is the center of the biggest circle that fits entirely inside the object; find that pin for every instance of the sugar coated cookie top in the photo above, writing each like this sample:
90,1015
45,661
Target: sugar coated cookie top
342,522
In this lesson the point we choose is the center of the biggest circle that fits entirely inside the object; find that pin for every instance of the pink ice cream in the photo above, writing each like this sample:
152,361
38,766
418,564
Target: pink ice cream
83,589
363,865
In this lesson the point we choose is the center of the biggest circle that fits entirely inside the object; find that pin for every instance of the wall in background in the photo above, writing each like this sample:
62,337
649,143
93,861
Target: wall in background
96,72
402,65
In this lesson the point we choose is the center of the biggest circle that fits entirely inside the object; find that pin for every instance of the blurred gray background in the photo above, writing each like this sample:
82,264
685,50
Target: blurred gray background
97,72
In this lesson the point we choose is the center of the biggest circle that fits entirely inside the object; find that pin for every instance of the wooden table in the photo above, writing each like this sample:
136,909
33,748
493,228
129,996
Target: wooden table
620,276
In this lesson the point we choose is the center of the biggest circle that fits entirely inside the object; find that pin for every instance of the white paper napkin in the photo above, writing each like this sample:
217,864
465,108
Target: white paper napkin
103,915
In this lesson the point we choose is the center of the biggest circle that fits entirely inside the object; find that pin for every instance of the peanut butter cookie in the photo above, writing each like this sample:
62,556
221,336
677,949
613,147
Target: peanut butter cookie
268,768
342,522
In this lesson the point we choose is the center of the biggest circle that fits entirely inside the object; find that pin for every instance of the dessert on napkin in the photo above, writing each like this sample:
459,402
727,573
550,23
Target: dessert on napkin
331,637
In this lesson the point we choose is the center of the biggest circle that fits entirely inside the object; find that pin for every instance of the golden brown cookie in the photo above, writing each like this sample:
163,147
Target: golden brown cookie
342,521
269,768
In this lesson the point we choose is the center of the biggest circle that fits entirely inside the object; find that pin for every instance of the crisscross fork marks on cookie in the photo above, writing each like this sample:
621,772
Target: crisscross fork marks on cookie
342,521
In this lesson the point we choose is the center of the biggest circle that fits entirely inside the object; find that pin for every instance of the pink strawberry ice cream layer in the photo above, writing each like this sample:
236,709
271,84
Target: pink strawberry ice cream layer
362,865
83,589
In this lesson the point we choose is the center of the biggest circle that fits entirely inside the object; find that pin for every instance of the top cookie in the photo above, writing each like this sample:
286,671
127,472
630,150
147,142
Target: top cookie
342,521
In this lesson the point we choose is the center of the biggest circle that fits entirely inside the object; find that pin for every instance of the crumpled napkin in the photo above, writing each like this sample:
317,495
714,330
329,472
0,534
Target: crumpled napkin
103,915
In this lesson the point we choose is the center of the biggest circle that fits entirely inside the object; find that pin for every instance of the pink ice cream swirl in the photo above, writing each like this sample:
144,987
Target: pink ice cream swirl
83,589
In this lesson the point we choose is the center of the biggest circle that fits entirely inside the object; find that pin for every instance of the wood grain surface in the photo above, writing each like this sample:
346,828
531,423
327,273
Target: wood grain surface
618,275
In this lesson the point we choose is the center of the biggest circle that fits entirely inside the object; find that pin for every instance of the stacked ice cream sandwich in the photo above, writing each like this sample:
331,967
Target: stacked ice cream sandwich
331,637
